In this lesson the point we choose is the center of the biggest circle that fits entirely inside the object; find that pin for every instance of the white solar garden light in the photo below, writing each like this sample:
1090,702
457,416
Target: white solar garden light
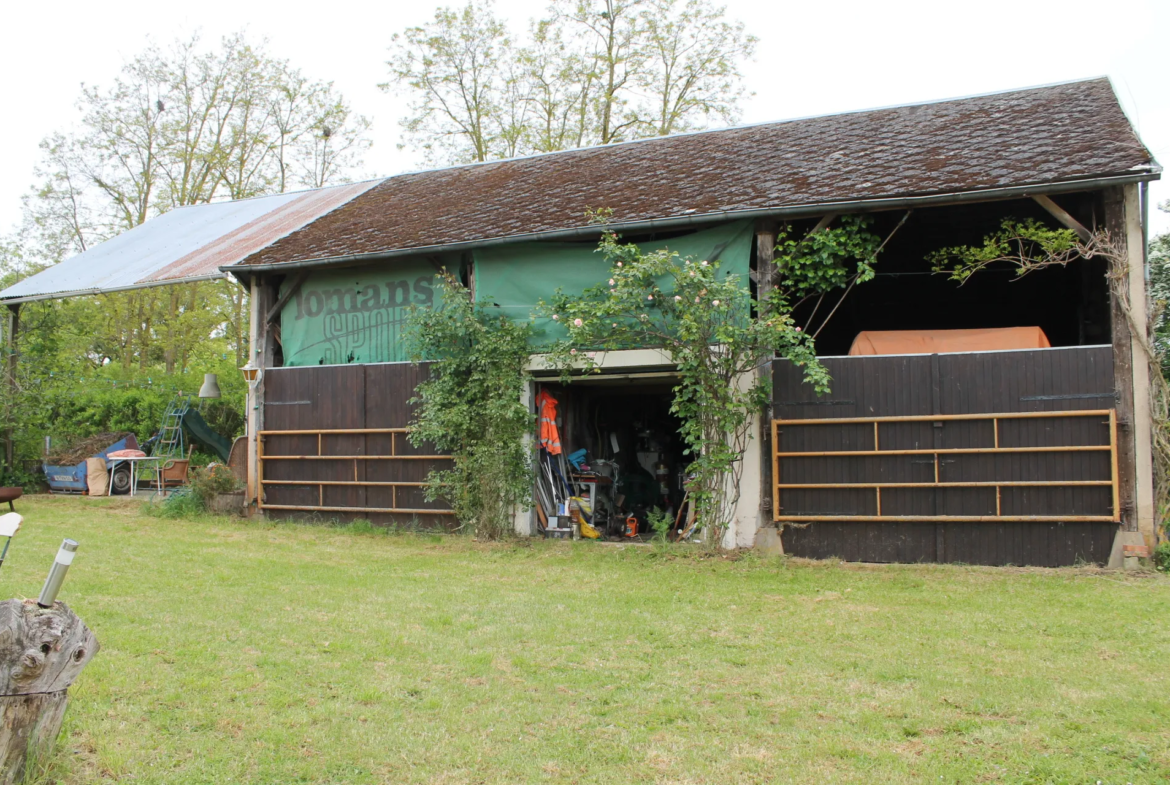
9,526
57,573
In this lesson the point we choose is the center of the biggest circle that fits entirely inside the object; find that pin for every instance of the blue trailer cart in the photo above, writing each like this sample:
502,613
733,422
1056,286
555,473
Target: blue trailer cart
72,479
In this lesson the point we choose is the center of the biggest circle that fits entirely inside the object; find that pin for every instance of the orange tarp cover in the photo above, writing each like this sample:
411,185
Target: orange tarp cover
989,339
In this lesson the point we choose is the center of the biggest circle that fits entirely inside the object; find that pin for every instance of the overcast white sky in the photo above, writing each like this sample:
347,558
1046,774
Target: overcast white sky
814,58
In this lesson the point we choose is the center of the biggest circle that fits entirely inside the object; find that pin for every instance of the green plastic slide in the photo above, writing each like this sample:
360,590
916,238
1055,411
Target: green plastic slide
206,438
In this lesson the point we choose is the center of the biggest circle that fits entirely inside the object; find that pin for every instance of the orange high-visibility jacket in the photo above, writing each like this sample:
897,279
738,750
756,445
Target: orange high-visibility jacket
550,438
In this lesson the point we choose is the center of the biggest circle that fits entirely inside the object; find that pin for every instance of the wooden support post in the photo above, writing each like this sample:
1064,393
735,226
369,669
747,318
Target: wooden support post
268,292
765,257
262,352
252,415
12,336
1143,421
1122,374
42,651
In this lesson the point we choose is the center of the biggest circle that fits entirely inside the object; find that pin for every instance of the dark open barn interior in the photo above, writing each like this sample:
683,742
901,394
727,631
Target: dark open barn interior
634,459
1071,304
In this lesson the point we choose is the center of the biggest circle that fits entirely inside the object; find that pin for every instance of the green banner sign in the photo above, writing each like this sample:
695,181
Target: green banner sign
516,277
359,315
354,316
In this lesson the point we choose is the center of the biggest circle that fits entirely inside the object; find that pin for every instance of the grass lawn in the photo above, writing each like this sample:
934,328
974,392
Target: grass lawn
246,652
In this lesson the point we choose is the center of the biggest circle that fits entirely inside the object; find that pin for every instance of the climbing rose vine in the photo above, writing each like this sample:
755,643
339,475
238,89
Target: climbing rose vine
702,317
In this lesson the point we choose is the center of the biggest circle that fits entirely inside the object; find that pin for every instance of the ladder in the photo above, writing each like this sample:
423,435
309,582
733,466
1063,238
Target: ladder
170,441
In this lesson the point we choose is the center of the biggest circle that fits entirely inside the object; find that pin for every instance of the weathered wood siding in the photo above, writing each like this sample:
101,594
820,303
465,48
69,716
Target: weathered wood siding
1079,378
347,396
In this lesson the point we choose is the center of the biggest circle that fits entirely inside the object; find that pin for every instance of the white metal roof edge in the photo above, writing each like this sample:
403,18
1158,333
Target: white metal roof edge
62,295
130,260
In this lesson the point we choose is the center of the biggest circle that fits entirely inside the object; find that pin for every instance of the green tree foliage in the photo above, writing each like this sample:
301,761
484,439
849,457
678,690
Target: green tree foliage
185,125
825,260
67,389
703,319
1159,258
1028,245
454,69
180,125
589,72
472,407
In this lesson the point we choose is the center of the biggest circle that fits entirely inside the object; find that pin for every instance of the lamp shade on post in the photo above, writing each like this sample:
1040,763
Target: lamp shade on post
210,388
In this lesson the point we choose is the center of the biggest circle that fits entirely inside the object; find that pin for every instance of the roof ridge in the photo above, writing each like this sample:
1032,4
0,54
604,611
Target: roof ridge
1064,136
746,126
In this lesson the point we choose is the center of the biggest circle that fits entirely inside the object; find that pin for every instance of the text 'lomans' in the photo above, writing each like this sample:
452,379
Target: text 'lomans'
370,297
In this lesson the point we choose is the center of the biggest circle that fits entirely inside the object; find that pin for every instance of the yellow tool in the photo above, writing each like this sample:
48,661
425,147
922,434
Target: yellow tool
583,509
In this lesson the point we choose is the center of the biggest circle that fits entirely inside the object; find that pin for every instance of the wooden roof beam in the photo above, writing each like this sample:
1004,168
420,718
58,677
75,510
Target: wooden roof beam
826,219
1061,215
289,291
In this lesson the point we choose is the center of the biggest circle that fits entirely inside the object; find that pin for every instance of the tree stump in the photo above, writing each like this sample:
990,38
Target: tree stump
42,650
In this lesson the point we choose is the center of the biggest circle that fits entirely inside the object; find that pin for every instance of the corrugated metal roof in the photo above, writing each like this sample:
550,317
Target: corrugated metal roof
185,244
1032,138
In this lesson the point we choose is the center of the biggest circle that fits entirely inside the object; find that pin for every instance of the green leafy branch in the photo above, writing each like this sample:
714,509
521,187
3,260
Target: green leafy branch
828,259
472,407
702,318
824,260
1028,245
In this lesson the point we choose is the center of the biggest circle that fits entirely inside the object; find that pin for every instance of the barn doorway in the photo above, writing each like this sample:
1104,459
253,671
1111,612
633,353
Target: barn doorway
622,457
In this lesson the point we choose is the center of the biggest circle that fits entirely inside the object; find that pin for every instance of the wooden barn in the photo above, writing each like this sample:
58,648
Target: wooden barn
1005,421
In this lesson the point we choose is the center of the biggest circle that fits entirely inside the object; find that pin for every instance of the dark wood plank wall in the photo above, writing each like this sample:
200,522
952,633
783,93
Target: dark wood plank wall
349,396
1076,378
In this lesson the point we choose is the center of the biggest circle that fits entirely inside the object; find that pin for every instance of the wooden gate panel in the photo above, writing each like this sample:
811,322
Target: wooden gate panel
369,469
389,390
958,495
1050,380
308,399
862,386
